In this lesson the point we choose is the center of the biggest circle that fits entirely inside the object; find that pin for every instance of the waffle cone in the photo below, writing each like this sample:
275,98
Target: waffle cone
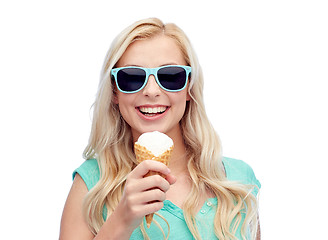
142,153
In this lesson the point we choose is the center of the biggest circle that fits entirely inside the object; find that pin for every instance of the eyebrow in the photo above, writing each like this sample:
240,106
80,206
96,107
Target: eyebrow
131,65
135,65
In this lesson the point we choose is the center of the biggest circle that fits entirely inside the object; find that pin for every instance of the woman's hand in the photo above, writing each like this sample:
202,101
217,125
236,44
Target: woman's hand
142,195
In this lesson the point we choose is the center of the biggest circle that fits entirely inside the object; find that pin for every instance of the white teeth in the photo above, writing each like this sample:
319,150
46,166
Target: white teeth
152,110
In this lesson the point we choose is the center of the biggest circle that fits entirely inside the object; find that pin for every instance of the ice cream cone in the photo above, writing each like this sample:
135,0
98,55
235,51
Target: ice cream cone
143,153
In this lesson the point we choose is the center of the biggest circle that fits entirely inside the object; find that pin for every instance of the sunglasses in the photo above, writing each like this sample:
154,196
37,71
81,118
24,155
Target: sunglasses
171,78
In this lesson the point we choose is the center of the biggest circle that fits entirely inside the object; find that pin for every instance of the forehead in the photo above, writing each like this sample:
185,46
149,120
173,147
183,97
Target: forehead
153,52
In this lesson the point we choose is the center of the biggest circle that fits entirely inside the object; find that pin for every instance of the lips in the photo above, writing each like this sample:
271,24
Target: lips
152,111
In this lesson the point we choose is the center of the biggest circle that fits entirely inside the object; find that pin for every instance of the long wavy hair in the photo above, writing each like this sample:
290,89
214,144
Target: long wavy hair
111,144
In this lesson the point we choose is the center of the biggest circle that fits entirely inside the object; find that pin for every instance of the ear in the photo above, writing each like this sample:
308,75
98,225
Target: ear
188,96
115,97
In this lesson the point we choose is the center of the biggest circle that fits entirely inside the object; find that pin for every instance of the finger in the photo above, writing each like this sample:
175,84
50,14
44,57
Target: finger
144,184
153,207
150,165
155,181
142,199
171,179
153,195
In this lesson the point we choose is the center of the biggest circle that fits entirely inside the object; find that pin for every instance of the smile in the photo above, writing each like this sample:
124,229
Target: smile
152,111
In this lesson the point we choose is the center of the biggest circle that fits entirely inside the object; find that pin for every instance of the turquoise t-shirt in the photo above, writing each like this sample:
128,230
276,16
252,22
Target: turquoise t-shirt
236,170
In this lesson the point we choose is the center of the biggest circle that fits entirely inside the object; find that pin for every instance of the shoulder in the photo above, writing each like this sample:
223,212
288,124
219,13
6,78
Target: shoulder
73,224
89,172
238,170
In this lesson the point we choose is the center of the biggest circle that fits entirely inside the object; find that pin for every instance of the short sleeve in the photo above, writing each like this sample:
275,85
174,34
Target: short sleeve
89,172
238,170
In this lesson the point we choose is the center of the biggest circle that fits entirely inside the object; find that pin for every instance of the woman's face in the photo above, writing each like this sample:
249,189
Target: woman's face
152,108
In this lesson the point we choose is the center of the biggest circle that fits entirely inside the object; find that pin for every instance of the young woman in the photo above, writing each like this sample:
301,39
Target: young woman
151,81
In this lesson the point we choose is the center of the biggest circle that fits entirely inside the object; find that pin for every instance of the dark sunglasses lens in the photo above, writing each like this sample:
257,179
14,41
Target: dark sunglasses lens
130,79
172,78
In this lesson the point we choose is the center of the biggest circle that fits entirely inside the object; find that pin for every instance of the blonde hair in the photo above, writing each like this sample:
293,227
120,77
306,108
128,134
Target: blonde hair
111,144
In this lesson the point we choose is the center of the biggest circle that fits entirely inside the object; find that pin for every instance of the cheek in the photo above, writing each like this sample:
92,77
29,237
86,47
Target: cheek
126,112
125,102
180,104
123,99
180,98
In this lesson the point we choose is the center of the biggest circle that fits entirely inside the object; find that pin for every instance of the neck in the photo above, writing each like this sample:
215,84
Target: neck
179,161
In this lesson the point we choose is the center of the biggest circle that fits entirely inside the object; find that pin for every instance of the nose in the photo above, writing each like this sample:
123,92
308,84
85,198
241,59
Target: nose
152,89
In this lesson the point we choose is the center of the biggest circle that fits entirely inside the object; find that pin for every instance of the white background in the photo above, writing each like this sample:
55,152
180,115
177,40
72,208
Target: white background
265,65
